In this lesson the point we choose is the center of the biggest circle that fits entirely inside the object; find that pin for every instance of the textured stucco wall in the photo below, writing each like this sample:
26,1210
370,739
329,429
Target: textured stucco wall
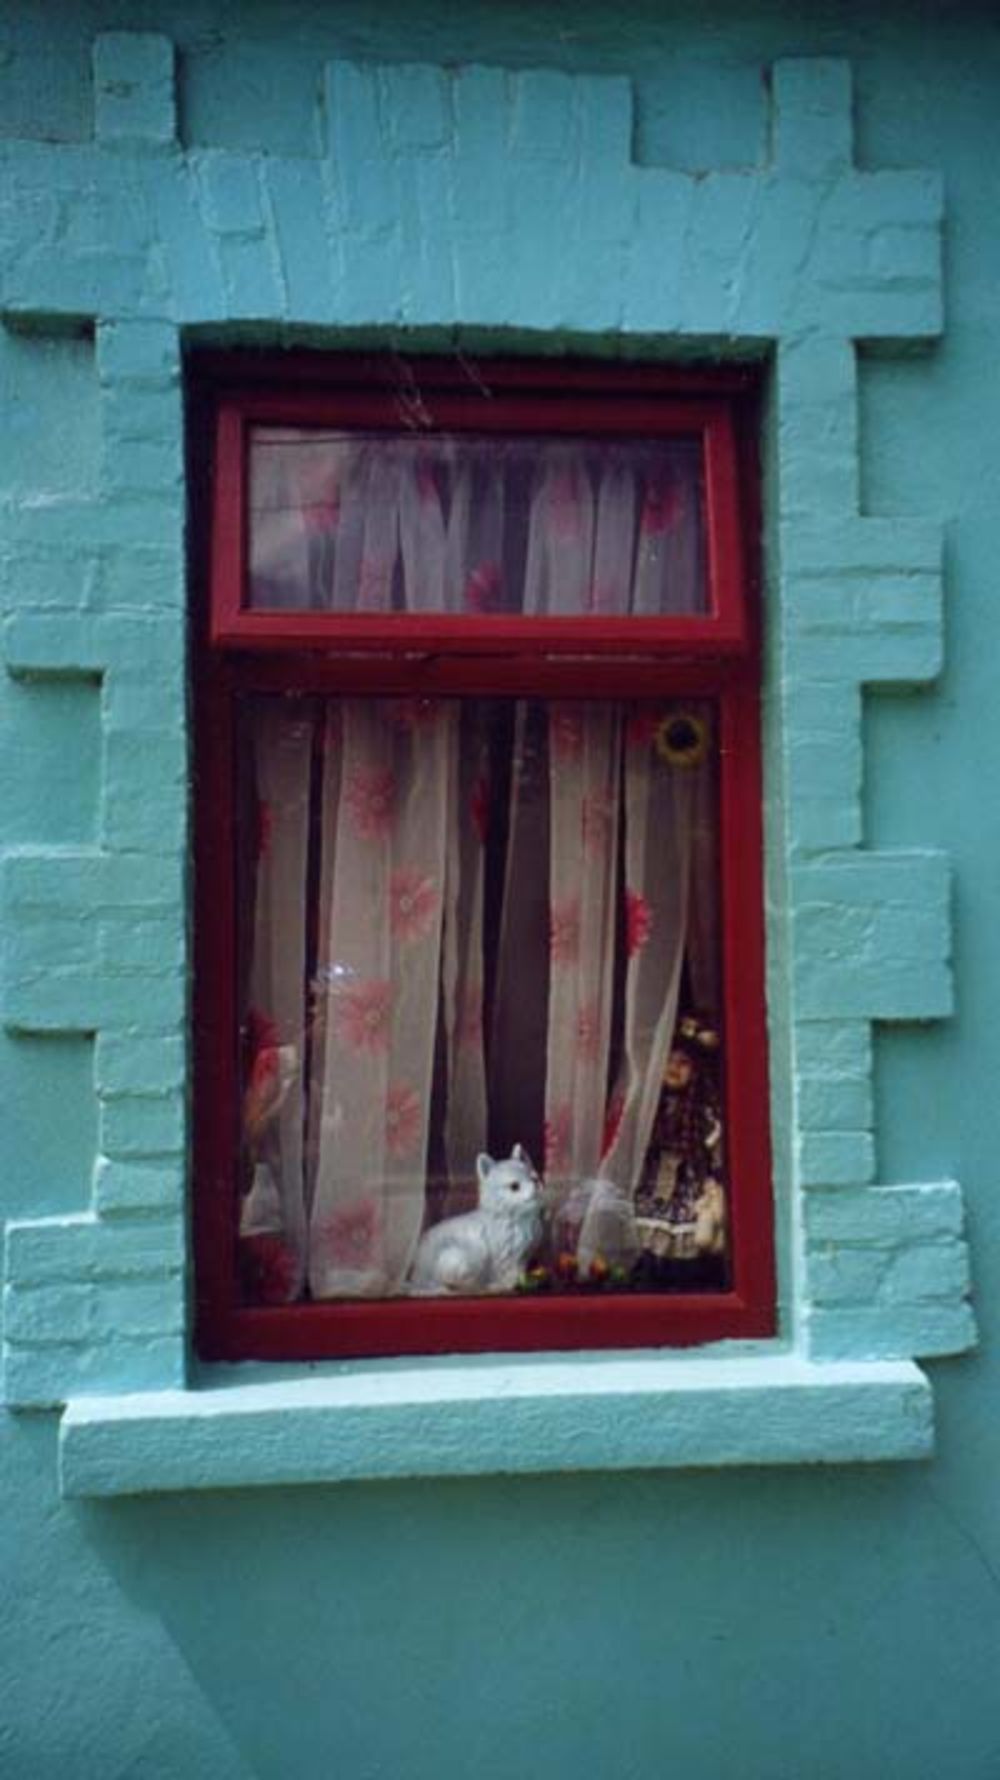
426,213
698,1623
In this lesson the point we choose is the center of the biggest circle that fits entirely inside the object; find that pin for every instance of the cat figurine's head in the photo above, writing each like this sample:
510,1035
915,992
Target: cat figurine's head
509,1188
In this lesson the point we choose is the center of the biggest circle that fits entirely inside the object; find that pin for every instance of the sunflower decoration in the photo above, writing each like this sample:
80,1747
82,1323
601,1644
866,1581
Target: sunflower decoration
681,739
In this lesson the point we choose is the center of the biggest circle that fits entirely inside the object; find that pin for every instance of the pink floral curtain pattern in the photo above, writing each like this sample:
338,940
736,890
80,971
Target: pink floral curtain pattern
463,954
659,799
349,523
431,867
618,546
584,773
274,1207
379,967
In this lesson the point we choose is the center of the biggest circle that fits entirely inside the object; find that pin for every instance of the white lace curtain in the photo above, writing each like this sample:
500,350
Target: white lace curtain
375,829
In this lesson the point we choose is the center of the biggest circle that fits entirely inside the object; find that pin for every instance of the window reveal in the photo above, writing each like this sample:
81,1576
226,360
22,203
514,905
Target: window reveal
487,1064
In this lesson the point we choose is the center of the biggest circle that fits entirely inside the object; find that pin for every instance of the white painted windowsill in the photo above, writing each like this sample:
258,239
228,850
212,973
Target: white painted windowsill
495,1415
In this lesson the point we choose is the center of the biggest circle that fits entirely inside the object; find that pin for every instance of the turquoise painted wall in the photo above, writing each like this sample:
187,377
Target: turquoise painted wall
811,1623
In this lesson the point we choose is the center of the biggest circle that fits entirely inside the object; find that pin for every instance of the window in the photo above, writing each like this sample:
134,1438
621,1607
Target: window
480,1041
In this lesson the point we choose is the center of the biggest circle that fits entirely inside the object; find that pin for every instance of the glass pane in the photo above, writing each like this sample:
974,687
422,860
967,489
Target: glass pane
353,522
481,1042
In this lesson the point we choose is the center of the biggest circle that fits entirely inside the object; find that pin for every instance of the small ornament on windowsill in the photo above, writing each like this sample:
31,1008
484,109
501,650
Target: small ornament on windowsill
680,1205
593,1228
485,1250
268,1268
567,1275
273,1068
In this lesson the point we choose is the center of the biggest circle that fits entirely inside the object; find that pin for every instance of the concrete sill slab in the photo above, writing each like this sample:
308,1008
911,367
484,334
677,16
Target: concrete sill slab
498,1415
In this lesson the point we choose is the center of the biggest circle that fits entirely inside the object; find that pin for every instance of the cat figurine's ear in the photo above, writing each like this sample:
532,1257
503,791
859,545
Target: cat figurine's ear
518,1154
484,1166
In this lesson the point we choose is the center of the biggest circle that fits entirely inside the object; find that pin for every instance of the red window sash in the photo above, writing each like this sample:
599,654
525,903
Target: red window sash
721,630
237,652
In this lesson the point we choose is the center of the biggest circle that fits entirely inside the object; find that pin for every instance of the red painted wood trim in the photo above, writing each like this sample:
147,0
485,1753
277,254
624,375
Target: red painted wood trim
214,1008
564,677
229,524
435,634
623,414
722,628
592,1321
721,663
249,369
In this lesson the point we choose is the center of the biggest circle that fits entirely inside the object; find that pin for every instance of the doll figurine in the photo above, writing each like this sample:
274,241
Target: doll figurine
681,1203
485,1250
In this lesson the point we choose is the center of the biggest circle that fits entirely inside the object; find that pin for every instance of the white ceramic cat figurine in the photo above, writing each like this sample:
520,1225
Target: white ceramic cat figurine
486,1249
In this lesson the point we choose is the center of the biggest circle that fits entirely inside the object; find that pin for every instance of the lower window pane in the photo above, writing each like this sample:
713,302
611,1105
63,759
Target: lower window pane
480,966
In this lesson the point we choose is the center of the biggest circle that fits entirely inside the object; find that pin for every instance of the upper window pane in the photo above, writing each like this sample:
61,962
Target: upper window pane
471,525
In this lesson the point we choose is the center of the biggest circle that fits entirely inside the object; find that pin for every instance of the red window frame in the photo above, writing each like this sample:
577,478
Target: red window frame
237,651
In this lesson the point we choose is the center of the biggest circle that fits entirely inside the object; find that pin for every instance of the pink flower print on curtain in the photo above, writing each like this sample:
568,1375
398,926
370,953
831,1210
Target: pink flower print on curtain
422,528
413,904
403,1119
614,537
376,524
582,925
669,575
349,1238
638,922
463,960
559,1141
475,542
559,567
282,745
588,1032
370,796
469,1025
659,804
565,732
384,837
362,1015
564,932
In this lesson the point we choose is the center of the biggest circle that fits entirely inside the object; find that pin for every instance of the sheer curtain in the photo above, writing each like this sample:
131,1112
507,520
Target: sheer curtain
623,543
370,949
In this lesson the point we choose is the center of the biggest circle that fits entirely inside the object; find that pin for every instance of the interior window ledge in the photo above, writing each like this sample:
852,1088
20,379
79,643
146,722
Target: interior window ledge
441,1419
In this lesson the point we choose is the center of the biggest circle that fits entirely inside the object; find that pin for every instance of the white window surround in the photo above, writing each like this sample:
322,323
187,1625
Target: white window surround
463,1419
